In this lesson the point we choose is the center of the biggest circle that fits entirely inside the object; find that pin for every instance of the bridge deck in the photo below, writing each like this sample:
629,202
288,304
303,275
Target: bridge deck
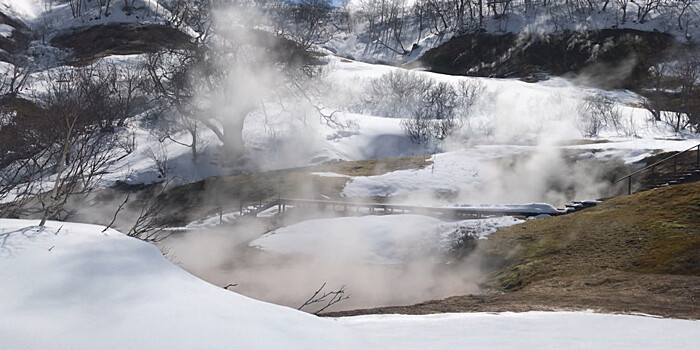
385,209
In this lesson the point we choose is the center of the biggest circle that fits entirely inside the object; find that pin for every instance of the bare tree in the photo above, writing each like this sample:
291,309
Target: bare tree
76,7
435,117
653,102
685,10
596,112
622,4
159,156
326,299
644,7
13,77
149,224
312,22
62,141
82,150
686,112
430,110
226,75
396,94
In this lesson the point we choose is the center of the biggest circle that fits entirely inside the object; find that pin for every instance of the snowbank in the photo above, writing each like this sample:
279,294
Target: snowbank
541,208
70,286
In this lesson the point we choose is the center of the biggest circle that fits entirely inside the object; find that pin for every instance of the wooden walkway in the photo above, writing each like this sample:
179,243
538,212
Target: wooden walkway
357,208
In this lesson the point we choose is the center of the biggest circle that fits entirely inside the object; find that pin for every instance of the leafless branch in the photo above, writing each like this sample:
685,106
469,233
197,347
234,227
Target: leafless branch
114,218
327,299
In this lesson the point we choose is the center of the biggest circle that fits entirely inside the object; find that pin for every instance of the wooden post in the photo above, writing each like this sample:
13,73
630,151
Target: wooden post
675,165
629,185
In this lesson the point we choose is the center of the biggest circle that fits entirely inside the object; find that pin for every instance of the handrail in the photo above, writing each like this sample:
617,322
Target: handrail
657,163
652,166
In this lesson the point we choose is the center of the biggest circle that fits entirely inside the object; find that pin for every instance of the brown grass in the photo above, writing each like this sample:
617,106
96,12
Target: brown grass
652,232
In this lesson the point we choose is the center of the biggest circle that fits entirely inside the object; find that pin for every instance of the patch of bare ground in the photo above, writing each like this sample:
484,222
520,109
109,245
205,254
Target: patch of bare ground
631,254
94,42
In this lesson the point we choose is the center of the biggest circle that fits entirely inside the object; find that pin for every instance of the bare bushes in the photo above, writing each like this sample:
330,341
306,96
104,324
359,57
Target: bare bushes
673,96
395,94
598,112
431,111
64,139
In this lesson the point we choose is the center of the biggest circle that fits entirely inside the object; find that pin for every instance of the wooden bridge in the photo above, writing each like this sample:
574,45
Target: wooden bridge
456,212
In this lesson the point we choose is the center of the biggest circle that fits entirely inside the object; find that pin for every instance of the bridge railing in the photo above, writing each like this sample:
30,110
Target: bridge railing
673,158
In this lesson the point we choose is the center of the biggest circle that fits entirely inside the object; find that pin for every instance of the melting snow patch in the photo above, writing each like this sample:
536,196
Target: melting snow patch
328,174
5,30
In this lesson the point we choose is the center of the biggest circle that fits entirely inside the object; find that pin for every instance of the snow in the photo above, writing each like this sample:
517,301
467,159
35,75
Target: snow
501,330
214,220
5,30
509,112
523,18
25,9
58,17
391,239
542,208
329,174
449,172
70,286
632,151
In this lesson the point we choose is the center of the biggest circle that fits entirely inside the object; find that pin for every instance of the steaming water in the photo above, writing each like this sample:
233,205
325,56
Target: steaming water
224,256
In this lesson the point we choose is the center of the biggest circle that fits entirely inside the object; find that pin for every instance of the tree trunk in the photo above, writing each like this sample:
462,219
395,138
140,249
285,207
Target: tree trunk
194,145
233,140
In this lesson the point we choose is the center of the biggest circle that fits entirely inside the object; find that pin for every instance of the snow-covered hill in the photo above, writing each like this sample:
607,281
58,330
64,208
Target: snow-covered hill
50,16
510,117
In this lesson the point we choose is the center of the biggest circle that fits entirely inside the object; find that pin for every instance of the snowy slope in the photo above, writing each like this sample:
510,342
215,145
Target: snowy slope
70,286
523,17
508,112
78,288
54,16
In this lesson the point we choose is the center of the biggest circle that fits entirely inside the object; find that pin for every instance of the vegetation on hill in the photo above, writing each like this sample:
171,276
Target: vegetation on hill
650,232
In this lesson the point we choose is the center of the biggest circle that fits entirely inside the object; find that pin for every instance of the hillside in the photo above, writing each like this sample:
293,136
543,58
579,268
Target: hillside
638,253
609,58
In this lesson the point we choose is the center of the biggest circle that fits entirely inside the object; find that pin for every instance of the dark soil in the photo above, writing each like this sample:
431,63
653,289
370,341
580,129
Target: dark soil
99,41
609,292
632,254
15,43
611,58
90,43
